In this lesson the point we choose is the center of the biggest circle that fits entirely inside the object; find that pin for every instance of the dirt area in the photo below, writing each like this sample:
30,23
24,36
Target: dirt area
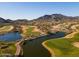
70,35
24,28
75,31
18,47
76,44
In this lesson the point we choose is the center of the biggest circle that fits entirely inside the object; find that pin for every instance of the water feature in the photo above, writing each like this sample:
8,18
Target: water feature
33,47
12,36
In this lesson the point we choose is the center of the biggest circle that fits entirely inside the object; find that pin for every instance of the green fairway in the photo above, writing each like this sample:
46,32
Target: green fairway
75,38
63,46
5,29
30,32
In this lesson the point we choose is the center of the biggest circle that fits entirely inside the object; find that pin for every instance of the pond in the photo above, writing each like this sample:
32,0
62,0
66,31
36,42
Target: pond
12,36
34,48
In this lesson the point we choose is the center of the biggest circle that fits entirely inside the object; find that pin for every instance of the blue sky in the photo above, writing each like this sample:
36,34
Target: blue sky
32,10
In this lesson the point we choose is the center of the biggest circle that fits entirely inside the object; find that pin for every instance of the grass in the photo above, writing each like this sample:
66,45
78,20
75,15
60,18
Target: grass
63,46
29,32
5,29
7,49
30,29
75,38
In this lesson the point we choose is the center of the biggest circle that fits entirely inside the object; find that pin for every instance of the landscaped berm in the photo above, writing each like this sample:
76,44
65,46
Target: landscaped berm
63,47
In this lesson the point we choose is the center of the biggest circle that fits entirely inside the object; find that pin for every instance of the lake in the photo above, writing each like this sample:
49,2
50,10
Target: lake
12,36
34,48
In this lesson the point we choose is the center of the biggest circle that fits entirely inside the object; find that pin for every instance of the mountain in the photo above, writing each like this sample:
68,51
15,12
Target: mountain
2,20
46,22
20,21
8,20
53,18
48,18
56,17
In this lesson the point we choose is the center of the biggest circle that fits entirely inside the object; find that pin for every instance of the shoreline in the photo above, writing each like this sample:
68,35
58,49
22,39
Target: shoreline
18,47
50,50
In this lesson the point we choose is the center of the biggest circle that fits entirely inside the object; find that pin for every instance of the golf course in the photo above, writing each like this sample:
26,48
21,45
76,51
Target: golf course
6,29
63,47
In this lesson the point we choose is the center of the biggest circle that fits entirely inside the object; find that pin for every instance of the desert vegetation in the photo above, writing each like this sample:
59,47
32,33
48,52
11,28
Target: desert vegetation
45,28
